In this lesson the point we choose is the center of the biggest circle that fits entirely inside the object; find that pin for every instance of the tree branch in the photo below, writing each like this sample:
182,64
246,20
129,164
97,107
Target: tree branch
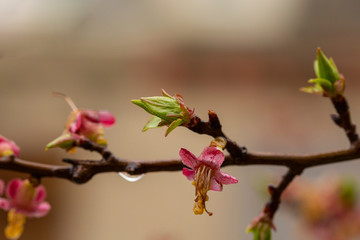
343,120
82,171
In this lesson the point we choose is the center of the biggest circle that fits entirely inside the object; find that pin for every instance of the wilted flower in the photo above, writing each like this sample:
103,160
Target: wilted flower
167,110
205,174
23,200
83,124
8,147
329,81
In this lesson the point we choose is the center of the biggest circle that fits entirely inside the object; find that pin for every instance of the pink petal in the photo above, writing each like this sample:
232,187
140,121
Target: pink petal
215,185
13,188
4,204
189,174
15,148
212,157
106,118
1,187
41,210
188,158
76,125
41,194
11,144
103,117
225,178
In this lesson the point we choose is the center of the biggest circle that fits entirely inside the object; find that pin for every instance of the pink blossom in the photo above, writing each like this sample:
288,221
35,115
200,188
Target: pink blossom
24,198
205,174
8,147
90,124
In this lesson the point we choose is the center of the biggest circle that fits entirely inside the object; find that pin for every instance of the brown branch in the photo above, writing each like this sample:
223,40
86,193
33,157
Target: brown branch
213,128
343,119
82,171
272,206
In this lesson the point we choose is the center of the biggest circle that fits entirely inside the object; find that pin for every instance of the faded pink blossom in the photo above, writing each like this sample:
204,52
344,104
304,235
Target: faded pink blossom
23,200
205,174
8,147
90,124
84,124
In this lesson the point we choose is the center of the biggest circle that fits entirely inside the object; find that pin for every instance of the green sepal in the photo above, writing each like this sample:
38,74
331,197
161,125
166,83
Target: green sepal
262,232
160,106
348,192
173,125
325,84
65,141
312,89
154,122
325,68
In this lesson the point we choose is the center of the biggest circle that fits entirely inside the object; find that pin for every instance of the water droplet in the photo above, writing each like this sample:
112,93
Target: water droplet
131,178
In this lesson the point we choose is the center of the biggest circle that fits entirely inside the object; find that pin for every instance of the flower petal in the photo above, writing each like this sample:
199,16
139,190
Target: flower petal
215,185
212,157
76,125
13,188
41,210
4,204
189,174
225,178
188,158
10,144
106,118
40,194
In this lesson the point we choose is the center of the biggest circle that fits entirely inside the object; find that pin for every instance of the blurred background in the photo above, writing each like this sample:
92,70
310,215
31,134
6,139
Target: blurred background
243,59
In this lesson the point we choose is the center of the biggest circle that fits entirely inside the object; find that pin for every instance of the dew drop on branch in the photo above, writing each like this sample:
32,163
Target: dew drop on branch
131,178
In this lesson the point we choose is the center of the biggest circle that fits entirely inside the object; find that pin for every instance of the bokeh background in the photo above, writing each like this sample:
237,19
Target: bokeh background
243,59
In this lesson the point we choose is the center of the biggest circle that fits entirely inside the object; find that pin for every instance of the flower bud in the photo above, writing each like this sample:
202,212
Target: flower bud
65,141
8,147
329,81
167,110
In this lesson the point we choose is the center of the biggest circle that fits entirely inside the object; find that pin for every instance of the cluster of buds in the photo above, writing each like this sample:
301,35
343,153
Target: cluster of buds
328,207
167,110
23,198
83,124
329,81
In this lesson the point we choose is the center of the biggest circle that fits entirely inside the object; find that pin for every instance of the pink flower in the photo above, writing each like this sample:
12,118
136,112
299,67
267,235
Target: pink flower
8,147
205,174
90,124
23,200
86,124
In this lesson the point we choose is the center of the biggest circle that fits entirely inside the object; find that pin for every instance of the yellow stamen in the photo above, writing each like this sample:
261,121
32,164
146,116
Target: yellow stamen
202,182
219,143
15,226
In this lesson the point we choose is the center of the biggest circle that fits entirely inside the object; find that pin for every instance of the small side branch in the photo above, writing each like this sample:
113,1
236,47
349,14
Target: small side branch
343,119
213,128
275,192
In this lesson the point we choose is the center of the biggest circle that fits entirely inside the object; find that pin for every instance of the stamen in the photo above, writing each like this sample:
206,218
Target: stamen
67,99
202,182
15,227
